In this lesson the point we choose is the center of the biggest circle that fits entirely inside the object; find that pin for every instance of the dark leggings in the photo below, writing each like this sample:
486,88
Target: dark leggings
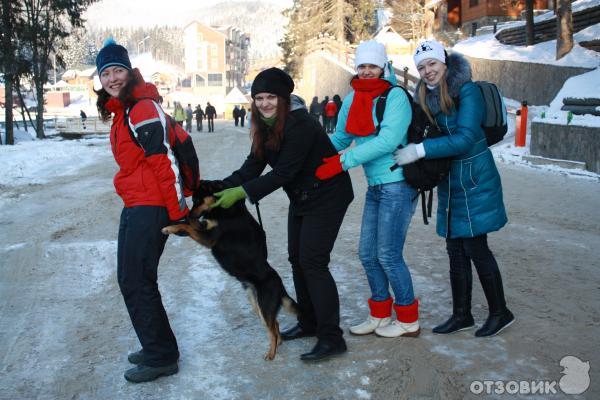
462,251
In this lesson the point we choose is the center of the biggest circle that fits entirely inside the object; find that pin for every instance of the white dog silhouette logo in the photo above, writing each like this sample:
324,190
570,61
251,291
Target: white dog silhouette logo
576,379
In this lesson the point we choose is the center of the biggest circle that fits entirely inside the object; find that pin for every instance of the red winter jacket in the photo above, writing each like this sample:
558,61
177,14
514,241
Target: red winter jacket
330,109
148,174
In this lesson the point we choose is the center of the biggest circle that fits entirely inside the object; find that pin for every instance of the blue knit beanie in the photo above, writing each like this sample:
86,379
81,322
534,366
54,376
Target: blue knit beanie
112,54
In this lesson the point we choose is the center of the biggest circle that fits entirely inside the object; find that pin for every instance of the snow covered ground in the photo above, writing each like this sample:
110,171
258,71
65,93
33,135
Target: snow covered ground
65,333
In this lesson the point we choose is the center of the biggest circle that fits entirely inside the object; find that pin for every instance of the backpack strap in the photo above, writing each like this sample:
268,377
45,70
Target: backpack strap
381,102
161,115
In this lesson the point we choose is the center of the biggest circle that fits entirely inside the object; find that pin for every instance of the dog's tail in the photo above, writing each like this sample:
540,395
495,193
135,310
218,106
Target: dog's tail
289,304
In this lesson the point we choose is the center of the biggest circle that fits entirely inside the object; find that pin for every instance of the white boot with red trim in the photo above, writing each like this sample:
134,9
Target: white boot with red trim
406,324
379,316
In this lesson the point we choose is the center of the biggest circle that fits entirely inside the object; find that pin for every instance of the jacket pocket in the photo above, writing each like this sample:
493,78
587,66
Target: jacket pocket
468,176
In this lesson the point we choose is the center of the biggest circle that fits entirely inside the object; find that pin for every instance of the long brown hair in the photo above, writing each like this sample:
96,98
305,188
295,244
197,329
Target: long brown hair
446,102
264,136
125,96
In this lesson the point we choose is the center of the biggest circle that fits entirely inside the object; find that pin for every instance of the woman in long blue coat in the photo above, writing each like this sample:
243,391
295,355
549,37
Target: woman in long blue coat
470,201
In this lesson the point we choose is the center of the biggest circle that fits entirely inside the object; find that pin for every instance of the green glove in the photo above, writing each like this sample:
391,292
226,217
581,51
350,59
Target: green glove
229,197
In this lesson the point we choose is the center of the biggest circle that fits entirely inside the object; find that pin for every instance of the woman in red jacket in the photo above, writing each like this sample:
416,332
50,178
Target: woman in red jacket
148,182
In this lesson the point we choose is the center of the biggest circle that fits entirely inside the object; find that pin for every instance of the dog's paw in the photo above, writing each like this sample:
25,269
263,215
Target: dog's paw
166,231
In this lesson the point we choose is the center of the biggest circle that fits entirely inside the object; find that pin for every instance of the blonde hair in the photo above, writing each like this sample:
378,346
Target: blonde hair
446,102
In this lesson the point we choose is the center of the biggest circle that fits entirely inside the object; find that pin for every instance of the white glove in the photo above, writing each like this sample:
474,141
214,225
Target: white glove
410,153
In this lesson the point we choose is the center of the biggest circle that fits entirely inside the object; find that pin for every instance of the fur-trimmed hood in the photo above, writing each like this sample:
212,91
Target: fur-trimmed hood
459,73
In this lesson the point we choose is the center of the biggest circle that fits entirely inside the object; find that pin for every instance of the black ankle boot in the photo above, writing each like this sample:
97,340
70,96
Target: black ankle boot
459,321
500,316
460,282
495,324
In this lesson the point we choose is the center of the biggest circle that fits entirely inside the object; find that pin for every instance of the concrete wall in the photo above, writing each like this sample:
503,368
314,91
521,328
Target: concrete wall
537,83
567,142
321,76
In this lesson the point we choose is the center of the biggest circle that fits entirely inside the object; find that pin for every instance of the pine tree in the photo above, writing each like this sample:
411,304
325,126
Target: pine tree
45,24
344,20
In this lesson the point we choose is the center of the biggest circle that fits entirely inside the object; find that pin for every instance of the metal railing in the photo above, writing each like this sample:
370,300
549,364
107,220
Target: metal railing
92,125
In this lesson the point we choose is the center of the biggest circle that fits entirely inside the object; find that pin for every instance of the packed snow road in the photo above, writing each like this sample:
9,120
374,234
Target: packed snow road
65,332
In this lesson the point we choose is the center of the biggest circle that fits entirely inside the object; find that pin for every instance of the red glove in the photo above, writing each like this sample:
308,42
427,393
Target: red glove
331,167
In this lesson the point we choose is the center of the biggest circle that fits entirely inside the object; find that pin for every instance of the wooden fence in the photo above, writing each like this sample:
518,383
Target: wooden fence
546,30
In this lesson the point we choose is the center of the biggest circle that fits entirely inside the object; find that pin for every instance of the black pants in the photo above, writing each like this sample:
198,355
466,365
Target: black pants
140,246
310,241
211,124
461,251
198,124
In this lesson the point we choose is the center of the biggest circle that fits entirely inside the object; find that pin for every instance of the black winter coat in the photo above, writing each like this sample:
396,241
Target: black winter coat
303,147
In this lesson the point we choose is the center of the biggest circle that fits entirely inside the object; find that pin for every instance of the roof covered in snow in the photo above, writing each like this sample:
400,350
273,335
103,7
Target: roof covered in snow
235,96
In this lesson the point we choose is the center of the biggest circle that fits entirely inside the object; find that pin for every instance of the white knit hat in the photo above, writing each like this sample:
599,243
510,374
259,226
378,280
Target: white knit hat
370,52
429,49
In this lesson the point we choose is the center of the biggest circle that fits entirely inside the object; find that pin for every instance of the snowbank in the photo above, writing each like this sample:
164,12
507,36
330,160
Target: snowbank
487,47
40,161
580,87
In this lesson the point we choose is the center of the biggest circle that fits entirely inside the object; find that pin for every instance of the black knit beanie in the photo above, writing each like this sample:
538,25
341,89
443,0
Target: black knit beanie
112,54
273,80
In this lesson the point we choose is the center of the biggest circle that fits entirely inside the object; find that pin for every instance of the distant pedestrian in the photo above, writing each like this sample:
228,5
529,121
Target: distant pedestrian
179,113
322,111
470,203
83,116
315,108
210,113
242,115
189,115
236,115
199,117
330,112
338,102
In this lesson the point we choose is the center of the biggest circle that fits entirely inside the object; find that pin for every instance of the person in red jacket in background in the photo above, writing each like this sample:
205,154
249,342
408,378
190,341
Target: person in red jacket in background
149,185
330,112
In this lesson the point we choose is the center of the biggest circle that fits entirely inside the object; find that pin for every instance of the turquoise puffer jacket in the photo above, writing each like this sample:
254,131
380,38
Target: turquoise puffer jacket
470,200
375,152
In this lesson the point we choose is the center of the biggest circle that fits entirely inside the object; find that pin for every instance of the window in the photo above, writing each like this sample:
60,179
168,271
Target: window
214,63
199,37
215,79
473,3
213,50
200,81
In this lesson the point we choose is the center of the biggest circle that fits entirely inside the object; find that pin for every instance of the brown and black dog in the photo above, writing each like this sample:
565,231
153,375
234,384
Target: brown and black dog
239,245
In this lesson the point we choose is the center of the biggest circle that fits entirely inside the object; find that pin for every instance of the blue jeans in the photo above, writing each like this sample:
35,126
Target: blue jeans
386,217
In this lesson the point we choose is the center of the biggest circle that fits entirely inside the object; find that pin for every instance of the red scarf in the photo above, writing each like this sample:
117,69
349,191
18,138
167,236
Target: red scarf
360,116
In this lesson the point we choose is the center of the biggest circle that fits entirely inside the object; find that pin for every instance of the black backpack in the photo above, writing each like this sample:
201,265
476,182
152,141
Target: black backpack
423,174
182,146
494,125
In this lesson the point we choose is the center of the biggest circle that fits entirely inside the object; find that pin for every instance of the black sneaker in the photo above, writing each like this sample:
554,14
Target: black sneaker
144,373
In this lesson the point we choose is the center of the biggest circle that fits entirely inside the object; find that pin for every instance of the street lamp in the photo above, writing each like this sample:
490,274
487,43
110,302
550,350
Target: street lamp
142,42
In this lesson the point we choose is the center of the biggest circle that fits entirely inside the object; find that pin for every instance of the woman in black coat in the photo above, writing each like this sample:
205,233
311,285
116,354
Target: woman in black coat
293,144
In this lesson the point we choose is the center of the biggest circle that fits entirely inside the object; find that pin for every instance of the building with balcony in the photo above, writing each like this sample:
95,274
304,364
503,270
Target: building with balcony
469,15
216,59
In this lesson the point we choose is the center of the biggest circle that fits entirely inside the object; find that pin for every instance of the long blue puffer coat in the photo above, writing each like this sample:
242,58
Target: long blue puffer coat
470,199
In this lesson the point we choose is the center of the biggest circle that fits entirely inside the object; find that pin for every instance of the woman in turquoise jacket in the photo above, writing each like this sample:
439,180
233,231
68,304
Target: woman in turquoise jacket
470,201
390,201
